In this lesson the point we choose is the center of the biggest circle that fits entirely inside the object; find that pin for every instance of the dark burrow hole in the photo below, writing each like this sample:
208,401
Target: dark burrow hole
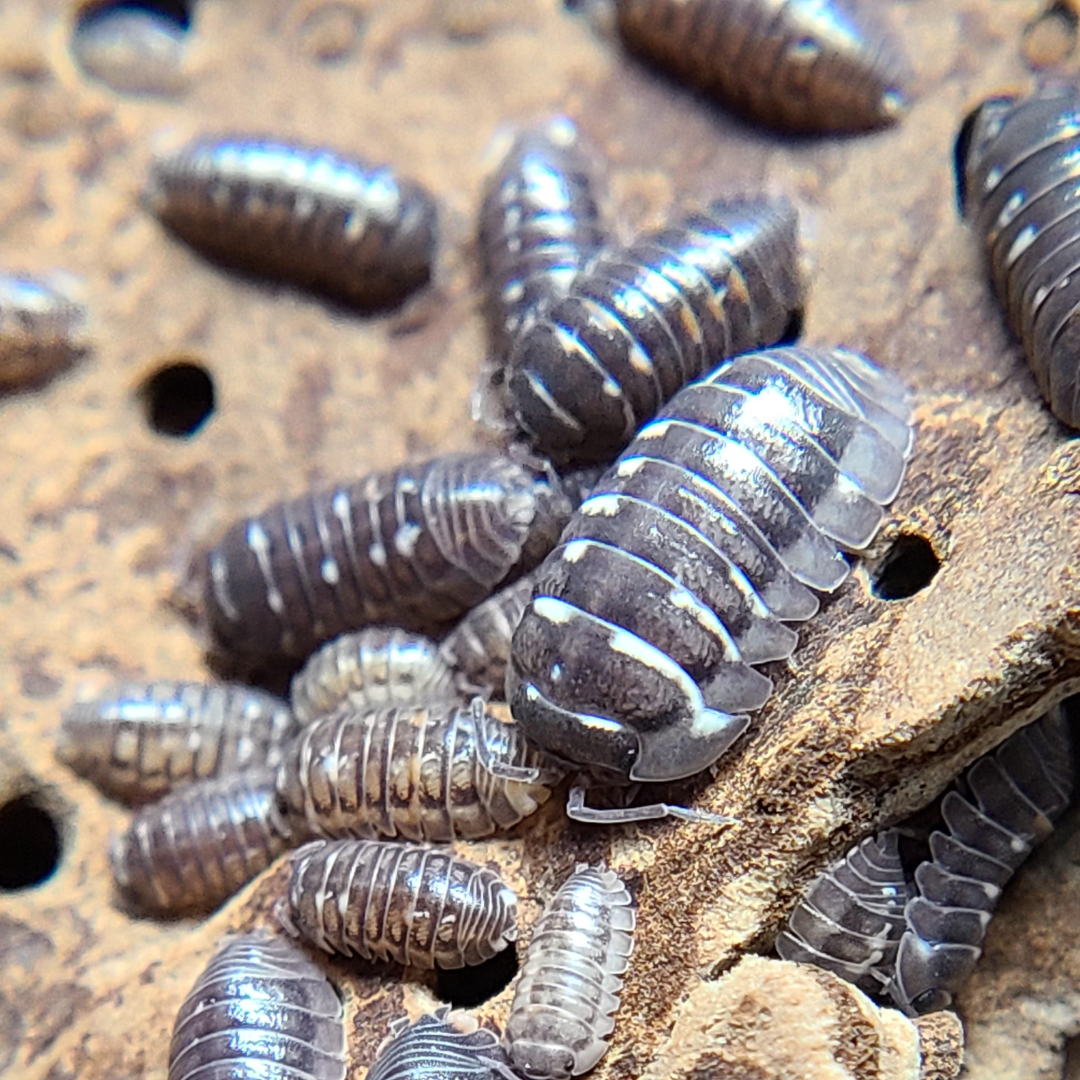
909,567
176,11
793,330
467,987
29,843
178,398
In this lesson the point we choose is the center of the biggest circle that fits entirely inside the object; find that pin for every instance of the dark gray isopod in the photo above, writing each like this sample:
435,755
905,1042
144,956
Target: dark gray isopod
636,656
260,1009
801,65
587,370
39,331
414,547
1016,174
443,1045
300,215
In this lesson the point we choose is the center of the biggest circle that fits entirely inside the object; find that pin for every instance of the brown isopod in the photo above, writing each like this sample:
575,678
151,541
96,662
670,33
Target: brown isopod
419,906
39,328
801,65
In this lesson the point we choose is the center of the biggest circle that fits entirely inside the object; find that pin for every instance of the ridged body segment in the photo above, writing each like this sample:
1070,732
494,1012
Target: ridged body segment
260,1009
636,655
439,1046
371,668
641,322
417,773
799,65
1016,163
300,215
39,328
137,741
197,846
567,992
418,906
415,547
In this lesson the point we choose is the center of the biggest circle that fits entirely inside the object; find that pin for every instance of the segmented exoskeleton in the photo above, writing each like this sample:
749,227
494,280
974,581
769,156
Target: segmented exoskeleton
414,547
1016,174
260,1009
635,658
39,331
419,773
587,370
300,215
802,65
374,667
199,845
419,906
568,991
440,1046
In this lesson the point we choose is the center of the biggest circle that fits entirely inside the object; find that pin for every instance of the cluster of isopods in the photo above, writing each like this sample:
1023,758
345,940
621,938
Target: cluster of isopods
680,483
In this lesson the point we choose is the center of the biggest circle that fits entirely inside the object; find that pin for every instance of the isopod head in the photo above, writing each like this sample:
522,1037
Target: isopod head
980,125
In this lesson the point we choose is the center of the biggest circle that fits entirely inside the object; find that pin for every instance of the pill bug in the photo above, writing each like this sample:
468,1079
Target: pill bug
440,1046
414,547
419,906
802,65
589,369
635,658
139,740
39,331
261,1008
305,216
568,990
1005,805
478,648
419,773
199,845
1015,163
852,917
373,667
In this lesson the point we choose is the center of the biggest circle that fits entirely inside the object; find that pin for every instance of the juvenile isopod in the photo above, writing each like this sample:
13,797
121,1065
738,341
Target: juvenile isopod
1015,162
443,1045
260,1009
139,740
197,846
800,65
305,216
567,993
39,331
370,668
636,657
421,773
419,906
587,370
414,547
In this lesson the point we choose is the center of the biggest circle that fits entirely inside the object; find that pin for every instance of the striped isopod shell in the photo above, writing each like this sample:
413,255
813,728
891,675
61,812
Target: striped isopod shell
304,216
414,547
1016,177
39,331
568,991
478,648
373,667
635,658
1005,805
199,845
418,773
443,1045
139,740
419,906
640,323
799,65
260,1009
852,917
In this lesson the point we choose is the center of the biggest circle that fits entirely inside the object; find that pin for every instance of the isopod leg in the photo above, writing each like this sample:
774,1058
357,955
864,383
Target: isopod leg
576,810
501,769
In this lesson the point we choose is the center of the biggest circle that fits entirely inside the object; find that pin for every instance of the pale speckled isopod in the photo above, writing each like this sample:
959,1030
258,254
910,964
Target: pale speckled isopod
306,216
418,906
261,1008
635,659
1016,175
40,331
443,1045
199,845
414,547
137,741
567,993
587,370
800,65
